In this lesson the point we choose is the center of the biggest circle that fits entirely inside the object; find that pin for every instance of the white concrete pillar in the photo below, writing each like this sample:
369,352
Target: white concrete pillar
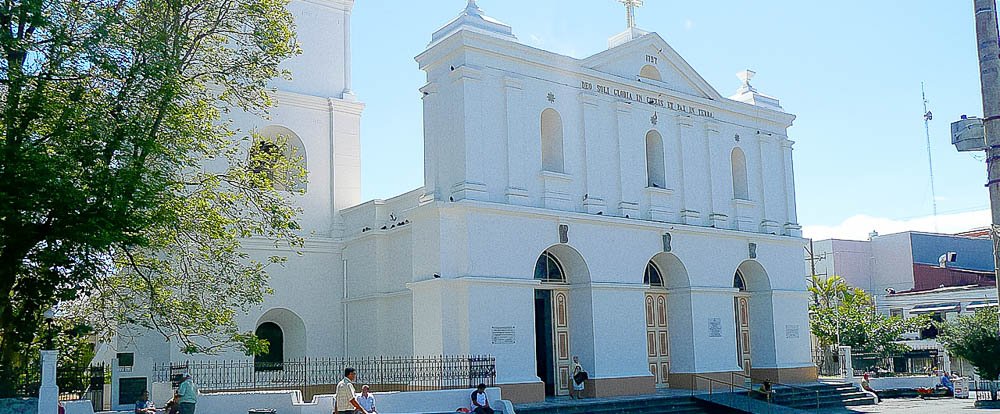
517,144
48,393
846,364
945,360
789,184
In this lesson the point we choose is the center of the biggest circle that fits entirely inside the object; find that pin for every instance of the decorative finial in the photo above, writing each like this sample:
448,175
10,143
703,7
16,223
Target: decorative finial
472,7
630,6
745,77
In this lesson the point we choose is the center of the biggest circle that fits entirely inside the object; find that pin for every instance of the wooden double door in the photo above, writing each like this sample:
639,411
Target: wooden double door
657,337
553,358
742,308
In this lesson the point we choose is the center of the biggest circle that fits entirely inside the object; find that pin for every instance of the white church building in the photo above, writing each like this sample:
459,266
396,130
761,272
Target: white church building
617,208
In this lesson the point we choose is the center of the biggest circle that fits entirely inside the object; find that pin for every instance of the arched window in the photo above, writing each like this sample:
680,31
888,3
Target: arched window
273,359
652,276
552,141
739,282
741,189
277,148
548,269
654,161
650,72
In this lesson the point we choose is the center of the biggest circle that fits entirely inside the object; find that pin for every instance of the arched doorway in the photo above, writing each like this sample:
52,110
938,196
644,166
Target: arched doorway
657,336
273,359
555,268
753,317
664,271
742,315
286,333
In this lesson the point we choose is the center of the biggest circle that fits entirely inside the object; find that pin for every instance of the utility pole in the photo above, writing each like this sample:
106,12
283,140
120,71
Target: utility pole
989,76
812,266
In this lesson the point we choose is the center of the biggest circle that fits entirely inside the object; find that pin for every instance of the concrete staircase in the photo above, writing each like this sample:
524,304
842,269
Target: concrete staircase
834,395
625,405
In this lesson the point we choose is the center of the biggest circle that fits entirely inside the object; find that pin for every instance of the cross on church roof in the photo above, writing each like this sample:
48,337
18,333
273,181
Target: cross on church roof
630,6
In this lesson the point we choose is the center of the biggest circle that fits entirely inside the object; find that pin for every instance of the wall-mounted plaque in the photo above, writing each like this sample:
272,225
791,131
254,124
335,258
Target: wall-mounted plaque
714,328
503,335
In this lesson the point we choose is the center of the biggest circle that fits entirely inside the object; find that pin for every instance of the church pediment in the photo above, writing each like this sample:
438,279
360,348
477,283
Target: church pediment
647,58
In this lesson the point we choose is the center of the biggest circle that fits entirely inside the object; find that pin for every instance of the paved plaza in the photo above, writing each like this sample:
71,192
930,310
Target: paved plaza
917,406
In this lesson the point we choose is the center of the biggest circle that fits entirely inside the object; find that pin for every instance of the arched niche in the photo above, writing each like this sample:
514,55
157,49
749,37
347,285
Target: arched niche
552,141
741,186
655,171
287,143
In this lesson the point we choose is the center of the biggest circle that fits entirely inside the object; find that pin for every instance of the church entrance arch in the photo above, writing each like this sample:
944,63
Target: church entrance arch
555,268
286,332
664,271
752,284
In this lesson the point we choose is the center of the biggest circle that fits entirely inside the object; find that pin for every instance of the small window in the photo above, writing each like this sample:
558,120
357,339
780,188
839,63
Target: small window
650,72
897,312
126,359
652,275
739,282
548,269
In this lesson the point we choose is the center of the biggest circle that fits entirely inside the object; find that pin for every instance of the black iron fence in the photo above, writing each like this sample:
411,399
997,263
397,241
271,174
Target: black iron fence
827,360
319,375
985,390
913,362
75,383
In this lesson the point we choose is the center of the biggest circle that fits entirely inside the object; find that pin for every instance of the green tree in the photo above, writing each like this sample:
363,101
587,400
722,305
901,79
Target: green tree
846,316
124,194
974,338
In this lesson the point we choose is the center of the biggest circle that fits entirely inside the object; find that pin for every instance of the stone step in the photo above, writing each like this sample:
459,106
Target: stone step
683,405
780,399
830,395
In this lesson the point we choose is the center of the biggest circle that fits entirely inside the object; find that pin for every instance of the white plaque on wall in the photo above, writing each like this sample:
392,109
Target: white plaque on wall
714,328
503,335
791,331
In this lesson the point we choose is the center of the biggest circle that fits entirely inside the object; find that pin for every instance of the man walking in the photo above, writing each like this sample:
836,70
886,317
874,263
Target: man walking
345,401
189,395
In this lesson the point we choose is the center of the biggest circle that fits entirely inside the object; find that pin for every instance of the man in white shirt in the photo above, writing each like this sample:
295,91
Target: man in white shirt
366,400
345,402
480,402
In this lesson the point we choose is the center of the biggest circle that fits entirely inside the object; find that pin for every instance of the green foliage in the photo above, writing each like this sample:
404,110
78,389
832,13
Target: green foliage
75,343
846,316
974,338
125,196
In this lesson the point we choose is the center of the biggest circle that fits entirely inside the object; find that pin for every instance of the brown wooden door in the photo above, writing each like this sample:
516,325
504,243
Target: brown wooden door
743,332
657,338
560,340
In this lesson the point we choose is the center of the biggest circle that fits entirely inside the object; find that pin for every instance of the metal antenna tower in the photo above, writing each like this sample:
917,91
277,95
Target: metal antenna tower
930,163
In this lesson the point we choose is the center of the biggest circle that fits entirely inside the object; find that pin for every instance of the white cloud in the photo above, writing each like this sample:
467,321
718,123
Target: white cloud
688,24
857,227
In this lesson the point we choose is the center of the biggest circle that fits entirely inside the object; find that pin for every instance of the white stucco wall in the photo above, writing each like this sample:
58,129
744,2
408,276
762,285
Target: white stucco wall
495,155
893,263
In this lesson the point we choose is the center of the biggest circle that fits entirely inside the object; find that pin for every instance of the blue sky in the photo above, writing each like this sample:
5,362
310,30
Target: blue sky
850,70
